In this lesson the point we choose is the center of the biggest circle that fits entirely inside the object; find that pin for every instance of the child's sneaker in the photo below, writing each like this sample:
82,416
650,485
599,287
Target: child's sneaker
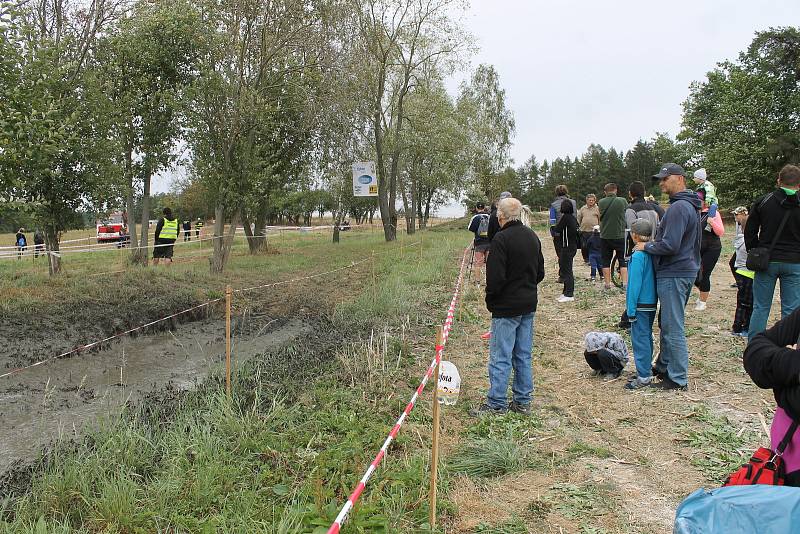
564,298
638,383
700,305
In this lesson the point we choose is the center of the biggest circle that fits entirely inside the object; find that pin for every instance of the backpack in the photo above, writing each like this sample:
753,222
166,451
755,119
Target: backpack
483,226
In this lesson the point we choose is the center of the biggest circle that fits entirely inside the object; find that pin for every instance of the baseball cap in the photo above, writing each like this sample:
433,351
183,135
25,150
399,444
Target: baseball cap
700,174
642,227
505,194
668,169
739,209
480,205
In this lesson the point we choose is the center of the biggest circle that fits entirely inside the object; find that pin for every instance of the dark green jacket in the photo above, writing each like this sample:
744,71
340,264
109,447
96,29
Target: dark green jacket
612,217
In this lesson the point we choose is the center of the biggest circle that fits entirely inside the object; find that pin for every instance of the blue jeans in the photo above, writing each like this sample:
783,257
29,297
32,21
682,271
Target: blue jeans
596,261
510,346
764,289
642,341
673,294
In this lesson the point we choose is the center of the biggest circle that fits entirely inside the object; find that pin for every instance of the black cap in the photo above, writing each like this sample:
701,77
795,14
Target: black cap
668,169
480,205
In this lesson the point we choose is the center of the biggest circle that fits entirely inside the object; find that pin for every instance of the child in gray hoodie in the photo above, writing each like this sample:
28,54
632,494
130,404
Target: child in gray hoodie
605,353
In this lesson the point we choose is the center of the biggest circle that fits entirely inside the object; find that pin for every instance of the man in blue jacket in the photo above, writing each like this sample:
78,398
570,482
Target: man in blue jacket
676,259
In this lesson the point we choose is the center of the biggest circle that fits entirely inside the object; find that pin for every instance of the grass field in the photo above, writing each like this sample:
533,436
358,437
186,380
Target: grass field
306,419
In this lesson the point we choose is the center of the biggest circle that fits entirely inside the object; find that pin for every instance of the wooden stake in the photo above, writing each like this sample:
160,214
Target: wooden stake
228,297
435,440
374,281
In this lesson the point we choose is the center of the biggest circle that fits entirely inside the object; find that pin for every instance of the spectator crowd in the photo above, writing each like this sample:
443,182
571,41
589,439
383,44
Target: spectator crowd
656,256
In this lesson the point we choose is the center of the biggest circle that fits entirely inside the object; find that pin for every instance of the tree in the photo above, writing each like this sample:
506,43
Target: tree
146,67
400,40
489,125
743,122
53,143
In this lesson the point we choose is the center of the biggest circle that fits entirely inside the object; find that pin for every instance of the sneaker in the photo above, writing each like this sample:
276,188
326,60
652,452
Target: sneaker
592,280
734,285
485,409
596,372
487,335
739,334
522,409
564,298
638,383
667,384
626,325
700,305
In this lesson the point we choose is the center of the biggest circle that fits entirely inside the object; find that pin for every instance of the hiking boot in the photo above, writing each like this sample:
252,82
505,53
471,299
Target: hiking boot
485,409
522,409
638,383
667,384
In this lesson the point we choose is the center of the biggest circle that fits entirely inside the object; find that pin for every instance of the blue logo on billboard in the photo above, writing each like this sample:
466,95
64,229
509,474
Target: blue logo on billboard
365,179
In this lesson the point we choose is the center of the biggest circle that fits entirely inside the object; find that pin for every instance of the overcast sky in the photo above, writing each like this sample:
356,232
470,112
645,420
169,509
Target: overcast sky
580,71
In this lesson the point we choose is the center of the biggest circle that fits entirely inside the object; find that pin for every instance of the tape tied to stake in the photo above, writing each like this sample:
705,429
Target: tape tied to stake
439,348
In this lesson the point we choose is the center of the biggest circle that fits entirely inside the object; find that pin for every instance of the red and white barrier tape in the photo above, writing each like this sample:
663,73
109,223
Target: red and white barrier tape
446,327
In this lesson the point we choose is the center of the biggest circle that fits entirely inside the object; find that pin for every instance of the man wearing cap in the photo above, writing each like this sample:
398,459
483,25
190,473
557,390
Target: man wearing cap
774,224
676,259
705,189
479,225
494,224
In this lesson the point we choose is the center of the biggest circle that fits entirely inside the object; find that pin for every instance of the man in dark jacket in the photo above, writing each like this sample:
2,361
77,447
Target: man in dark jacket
676,259
514,268
784,260
494,225
479,225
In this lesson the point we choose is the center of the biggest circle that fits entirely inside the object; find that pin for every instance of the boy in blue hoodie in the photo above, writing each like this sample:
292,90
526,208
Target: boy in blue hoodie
640,301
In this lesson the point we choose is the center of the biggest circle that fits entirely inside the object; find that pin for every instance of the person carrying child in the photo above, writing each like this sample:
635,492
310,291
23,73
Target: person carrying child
744,277
595,253
605,353
641,301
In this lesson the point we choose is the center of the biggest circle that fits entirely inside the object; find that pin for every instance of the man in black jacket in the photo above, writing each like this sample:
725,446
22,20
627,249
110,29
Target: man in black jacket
761,230
494,225
514,269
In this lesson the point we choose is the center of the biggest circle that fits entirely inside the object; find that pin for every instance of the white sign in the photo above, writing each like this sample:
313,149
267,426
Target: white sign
449,383
365,181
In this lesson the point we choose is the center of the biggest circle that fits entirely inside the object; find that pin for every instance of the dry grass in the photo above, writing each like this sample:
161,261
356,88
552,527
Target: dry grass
639,452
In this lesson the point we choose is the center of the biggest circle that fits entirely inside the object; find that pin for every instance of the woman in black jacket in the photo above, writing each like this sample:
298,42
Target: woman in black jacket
567,231
773,362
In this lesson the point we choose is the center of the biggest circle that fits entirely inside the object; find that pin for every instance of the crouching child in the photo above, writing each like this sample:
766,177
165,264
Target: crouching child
640,304
605,353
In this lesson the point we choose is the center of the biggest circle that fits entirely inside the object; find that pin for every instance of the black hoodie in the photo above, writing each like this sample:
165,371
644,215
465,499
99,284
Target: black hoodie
764,221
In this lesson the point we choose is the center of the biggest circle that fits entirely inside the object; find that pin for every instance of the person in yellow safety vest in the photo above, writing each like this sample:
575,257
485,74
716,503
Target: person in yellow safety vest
166,234
198,226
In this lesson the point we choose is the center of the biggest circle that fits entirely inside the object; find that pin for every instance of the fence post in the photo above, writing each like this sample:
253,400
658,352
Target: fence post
228,297
435,439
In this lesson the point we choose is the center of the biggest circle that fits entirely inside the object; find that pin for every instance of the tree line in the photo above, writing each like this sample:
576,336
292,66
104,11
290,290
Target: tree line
267,103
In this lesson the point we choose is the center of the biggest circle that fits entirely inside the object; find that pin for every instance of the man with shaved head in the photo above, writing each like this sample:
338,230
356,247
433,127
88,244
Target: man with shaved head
514,269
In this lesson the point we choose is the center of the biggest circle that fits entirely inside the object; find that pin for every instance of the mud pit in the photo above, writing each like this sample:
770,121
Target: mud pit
66,397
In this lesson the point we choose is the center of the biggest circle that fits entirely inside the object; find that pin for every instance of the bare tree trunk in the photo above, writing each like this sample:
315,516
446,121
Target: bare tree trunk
53,255
222,247
256,241
129,200
140,255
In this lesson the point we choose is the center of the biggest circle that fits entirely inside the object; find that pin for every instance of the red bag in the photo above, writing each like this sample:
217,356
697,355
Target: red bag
765,466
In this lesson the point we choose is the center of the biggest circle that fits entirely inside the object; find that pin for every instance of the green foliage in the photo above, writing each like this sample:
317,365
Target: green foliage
742,122
719,448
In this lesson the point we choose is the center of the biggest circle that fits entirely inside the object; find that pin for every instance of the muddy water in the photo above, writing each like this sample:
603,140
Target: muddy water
63,398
